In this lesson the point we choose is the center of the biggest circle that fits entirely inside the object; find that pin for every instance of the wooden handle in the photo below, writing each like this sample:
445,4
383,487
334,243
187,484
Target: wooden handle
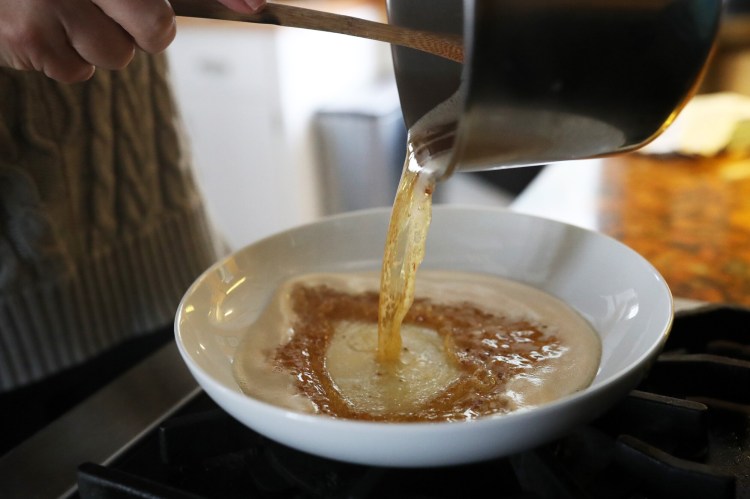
443,45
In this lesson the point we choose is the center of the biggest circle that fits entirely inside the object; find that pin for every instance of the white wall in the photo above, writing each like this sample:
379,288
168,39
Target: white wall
247,95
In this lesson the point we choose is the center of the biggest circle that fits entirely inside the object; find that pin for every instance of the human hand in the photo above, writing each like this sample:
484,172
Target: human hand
68,39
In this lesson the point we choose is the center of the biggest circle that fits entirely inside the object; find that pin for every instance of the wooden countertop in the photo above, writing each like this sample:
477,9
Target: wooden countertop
689,217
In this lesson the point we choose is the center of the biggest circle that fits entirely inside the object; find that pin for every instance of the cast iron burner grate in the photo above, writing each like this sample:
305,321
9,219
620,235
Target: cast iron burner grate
684,433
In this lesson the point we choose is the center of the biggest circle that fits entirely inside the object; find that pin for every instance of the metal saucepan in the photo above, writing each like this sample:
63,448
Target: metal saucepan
552,80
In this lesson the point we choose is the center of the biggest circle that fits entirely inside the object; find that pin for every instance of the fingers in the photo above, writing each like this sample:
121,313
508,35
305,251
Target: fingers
67,39
96,37
61,62
29,41
150,23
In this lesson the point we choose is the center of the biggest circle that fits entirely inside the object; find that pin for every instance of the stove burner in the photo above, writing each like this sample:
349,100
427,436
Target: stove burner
685,433
211,455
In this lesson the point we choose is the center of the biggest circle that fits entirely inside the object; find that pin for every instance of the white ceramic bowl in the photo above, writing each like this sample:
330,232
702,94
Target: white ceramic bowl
620,293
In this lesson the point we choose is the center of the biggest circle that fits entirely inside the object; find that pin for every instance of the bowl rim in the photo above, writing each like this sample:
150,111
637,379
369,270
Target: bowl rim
590,391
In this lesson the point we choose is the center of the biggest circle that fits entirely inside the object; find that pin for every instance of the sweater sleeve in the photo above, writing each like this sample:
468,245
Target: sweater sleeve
101,226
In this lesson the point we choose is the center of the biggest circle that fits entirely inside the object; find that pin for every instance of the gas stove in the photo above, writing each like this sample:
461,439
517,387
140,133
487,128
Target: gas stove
683,433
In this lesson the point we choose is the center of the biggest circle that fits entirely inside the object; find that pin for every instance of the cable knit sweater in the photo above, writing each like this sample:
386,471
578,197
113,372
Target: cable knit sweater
101,227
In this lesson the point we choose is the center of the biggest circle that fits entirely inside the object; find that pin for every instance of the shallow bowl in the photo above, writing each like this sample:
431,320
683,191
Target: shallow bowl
615,289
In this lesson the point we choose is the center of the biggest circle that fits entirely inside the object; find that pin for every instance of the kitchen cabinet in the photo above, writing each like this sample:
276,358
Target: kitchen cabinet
248,94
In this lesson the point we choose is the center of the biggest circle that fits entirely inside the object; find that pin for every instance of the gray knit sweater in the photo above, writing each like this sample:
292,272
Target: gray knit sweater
101,227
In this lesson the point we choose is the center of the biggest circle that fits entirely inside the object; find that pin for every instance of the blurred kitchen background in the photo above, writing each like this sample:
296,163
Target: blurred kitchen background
287,125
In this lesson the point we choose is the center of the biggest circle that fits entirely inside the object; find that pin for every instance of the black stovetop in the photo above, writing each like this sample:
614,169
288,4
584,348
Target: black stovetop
684,433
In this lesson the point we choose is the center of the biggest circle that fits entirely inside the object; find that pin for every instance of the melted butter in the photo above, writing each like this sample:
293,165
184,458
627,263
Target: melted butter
449,347
474,345
376,388
427,160
404,251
